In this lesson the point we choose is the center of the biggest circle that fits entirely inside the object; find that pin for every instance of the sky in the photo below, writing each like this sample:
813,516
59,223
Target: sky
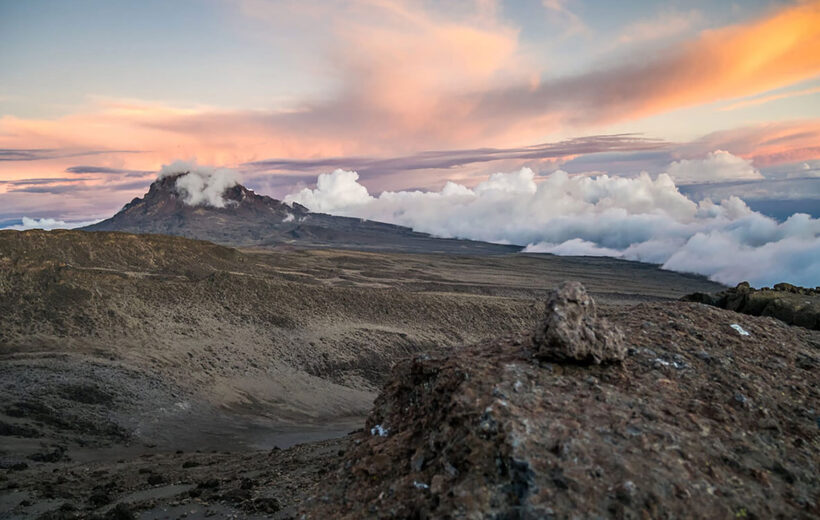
96,96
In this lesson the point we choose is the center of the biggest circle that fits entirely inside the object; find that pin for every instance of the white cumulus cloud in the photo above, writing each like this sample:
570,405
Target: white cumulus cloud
717,166
202,185
333,191
641,218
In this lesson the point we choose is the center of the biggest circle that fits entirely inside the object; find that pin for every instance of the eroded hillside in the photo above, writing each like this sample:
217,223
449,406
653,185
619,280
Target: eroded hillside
191,328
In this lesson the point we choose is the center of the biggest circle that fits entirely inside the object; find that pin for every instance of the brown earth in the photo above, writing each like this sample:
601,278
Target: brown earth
300,336
698,421
155,484
114,346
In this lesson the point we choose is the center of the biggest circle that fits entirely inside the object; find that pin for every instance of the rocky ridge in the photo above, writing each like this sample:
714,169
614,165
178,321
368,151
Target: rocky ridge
698,420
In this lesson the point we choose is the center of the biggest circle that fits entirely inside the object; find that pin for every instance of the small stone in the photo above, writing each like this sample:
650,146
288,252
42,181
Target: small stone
208,484
237,495
120,512
573,332
99,499
626,491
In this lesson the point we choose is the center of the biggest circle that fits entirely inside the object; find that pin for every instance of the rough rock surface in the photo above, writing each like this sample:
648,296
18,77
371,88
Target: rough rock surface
573,331
698,421
794,305
152,484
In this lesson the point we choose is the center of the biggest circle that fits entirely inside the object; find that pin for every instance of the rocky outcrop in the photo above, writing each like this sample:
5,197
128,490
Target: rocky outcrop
786,302
572,330
698,421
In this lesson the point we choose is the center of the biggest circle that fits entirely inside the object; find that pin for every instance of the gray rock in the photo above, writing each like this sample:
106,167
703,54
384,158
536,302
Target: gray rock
573,332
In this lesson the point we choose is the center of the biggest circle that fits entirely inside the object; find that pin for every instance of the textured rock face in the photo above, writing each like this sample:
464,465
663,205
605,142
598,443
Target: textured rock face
696,422
791,304
572,330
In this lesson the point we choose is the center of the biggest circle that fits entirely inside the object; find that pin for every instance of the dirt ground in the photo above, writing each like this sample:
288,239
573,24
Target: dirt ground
698,421
152,484
115,347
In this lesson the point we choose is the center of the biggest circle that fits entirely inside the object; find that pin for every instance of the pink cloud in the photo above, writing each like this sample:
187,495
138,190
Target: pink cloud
411,80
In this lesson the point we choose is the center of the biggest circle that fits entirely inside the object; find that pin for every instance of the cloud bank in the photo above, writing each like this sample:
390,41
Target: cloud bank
641,218
48,224
718,166
201,185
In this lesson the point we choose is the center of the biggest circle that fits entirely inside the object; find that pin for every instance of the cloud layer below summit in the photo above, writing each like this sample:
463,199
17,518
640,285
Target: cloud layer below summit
640,218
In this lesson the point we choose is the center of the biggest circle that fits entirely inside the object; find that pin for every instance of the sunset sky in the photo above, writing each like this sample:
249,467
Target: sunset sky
95,96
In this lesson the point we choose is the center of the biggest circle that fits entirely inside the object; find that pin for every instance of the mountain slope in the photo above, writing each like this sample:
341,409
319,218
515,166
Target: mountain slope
154,333
250,219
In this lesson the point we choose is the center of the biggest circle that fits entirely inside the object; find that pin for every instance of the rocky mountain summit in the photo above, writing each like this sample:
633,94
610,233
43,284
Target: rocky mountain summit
246,218
697,421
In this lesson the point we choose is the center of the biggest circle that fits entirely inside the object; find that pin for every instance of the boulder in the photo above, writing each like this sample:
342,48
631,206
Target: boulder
572,331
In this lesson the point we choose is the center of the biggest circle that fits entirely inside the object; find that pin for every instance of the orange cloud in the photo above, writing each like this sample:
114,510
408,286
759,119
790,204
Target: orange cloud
412,80
772,97
737,61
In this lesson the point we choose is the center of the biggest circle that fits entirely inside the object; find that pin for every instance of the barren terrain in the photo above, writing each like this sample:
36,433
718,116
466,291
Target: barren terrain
114,346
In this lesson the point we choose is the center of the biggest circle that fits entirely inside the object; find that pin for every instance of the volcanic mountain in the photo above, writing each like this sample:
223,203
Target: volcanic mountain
250,219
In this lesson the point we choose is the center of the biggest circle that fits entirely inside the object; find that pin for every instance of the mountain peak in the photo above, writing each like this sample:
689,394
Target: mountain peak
184,189
211,204
186,204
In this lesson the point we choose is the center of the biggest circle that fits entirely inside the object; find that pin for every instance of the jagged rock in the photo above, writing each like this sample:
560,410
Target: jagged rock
786,302
572,330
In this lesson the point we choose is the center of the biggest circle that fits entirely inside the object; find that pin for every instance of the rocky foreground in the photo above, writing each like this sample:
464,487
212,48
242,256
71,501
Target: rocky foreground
710,414
658,410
